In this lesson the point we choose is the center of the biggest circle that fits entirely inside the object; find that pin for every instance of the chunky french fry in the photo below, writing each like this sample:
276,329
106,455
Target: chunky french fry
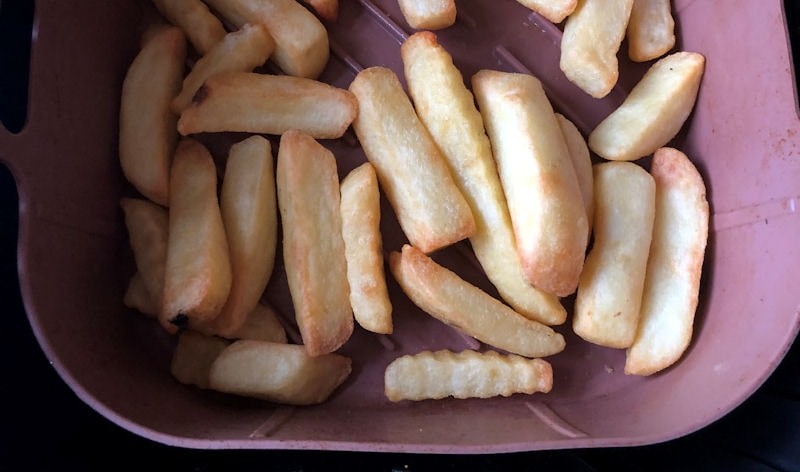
198,270
271,104
544,199
653,112
240,51
138,298
448,298
282,373
200,26
610,293
361,217
448,110
146,125
651,30
148,233
313,247
467,374
592,36
301,41
327,9
672,283
429,14
581,163
412,173
193,356
261,324
553,10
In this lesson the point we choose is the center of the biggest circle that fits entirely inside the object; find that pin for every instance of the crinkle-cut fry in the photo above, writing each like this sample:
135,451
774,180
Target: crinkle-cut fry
672,283
138,298
450,299
193,356
239,51
448,110
592,36
148,233
553,10
269,104
467,374
200,26
651,30
653,112
327,9
428,14
581,163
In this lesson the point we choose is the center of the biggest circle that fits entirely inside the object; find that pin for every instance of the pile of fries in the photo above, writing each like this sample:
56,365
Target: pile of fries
495,165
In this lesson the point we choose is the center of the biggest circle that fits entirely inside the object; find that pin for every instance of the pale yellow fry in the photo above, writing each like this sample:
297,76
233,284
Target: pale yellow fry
412,172
467,374
301,41
448,110
653,112
313,247
138,298
146,124
581,163
261,324
327,9
361,217
198,271
542,191
448,298
193,356
428,14
270,104
592,37
200,26
651,30
553,10
240,51
148,233
610,293
672,284
282,373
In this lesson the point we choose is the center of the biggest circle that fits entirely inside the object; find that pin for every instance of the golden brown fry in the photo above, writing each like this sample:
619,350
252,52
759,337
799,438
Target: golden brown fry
544,199
361,217
553,10
653,112
261,324
431,210
198,271
592,36
148,232
200,26
282,373
240,51
146,125
271,104
610,292
581,163
313,248
301,41
467,374
193,356
327,9
672,284
138,298
651,30
447,297
429,14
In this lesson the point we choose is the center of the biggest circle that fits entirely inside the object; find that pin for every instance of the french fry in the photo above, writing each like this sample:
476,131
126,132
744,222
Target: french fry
672,283
200,26
361,216
327,9
544,199
448,110
467,374
581,163
198,270
271,104
428,14
282,373
313,248
610,293
240,51
453,301
138,298
651,30
146,125
431,210
592,36
261,324
653,112
148,233
193,356
553,10
301,41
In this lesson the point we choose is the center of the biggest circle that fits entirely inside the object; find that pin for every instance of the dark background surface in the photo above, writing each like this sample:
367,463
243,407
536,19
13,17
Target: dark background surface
44,426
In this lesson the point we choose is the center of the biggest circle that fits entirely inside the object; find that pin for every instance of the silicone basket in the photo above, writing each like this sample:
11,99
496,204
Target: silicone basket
74,259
